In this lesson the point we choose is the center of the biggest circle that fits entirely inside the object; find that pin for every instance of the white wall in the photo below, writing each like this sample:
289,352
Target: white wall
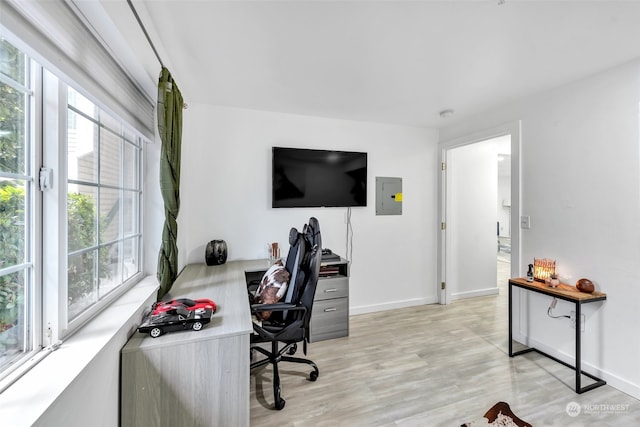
226,194
503,146
580,175
504,212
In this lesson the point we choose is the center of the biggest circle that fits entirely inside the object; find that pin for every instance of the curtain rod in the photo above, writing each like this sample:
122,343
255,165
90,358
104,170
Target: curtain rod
144,30
146,34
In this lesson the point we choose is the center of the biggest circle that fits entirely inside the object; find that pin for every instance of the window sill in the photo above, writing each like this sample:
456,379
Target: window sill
26,400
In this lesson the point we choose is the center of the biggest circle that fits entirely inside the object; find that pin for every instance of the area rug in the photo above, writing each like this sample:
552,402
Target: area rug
500,415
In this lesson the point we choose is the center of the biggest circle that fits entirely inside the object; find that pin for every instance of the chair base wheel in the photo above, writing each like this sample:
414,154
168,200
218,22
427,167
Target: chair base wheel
313,375
280,404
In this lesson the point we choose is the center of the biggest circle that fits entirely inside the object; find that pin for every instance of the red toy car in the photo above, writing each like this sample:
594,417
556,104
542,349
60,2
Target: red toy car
175,319
197,305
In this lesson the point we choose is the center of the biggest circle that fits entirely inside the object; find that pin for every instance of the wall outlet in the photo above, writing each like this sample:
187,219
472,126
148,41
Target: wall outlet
572,320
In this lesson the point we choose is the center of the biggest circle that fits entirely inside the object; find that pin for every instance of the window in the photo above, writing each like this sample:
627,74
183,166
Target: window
54,277
103,199
16,207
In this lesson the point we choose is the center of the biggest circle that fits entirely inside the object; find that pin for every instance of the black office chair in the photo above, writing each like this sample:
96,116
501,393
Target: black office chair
289,322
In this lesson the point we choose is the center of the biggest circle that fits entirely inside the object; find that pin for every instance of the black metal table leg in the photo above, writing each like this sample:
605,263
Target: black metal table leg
510,322
578,346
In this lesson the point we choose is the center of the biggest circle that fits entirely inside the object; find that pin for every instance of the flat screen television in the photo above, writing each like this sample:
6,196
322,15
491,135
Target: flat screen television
318,178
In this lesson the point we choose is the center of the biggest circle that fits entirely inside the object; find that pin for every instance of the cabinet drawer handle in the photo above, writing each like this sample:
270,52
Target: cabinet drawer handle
330,290
326,310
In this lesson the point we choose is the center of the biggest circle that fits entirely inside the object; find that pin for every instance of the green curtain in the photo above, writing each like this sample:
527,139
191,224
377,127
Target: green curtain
170,104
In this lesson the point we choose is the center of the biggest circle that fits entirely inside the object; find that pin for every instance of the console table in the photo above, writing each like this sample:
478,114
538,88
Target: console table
194,378
566,293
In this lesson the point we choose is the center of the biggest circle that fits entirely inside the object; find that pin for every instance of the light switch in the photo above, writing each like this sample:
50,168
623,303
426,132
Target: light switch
525,222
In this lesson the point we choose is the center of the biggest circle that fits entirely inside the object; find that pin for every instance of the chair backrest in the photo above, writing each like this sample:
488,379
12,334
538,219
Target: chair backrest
303,264
294,245
311,266
295,257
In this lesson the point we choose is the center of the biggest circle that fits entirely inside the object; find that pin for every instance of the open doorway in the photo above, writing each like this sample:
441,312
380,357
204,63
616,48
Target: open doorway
503,210
479,242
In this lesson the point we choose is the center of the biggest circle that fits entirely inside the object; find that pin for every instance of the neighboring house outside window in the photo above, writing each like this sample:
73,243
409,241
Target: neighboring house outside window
103,199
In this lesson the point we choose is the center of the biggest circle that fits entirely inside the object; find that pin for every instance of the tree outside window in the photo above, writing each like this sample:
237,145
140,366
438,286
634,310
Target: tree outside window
13,179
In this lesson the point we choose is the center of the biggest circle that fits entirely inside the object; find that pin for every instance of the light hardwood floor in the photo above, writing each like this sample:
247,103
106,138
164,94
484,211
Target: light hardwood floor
431,365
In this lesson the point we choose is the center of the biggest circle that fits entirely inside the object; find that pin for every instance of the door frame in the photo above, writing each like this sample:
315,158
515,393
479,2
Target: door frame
514,130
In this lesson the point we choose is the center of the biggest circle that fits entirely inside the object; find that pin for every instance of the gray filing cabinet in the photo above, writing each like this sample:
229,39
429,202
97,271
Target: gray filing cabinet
330,315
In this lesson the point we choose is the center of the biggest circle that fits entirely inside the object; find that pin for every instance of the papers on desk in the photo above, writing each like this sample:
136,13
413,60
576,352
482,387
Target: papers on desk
329,270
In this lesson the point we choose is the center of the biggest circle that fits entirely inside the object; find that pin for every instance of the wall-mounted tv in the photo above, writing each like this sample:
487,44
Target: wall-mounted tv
318,178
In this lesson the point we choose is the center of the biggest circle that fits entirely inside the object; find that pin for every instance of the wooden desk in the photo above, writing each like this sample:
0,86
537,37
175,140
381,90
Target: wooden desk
566,293
194,378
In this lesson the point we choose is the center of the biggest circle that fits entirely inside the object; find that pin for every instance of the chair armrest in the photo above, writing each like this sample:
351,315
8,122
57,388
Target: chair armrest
277,307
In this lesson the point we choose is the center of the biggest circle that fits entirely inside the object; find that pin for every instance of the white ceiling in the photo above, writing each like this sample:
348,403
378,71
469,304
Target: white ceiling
396,62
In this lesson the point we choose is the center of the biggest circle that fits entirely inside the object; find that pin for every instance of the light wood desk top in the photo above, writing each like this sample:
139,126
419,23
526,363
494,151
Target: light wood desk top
226,286
563,291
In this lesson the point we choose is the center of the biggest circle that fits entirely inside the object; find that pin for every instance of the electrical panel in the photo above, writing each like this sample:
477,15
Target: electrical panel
388,196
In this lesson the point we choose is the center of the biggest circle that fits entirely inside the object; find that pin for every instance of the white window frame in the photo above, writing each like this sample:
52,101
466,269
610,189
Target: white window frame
33,210
57,324
47,246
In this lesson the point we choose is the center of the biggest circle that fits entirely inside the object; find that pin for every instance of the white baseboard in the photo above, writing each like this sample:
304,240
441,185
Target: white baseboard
473,294
392,305
613,380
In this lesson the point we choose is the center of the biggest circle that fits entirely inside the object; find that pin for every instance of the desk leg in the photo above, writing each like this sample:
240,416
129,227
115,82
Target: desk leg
510,322
578,346
597,381
511,352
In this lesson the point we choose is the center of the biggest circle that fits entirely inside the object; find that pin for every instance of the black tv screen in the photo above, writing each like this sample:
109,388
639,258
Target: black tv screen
318,178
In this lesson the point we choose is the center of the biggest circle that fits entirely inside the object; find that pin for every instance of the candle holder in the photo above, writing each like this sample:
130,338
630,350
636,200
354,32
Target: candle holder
543,269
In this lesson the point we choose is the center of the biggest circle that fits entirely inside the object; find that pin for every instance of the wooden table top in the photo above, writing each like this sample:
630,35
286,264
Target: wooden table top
563,290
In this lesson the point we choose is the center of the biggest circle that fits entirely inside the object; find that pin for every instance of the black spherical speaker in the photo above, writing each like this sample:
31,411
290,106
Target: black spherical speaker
216,252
